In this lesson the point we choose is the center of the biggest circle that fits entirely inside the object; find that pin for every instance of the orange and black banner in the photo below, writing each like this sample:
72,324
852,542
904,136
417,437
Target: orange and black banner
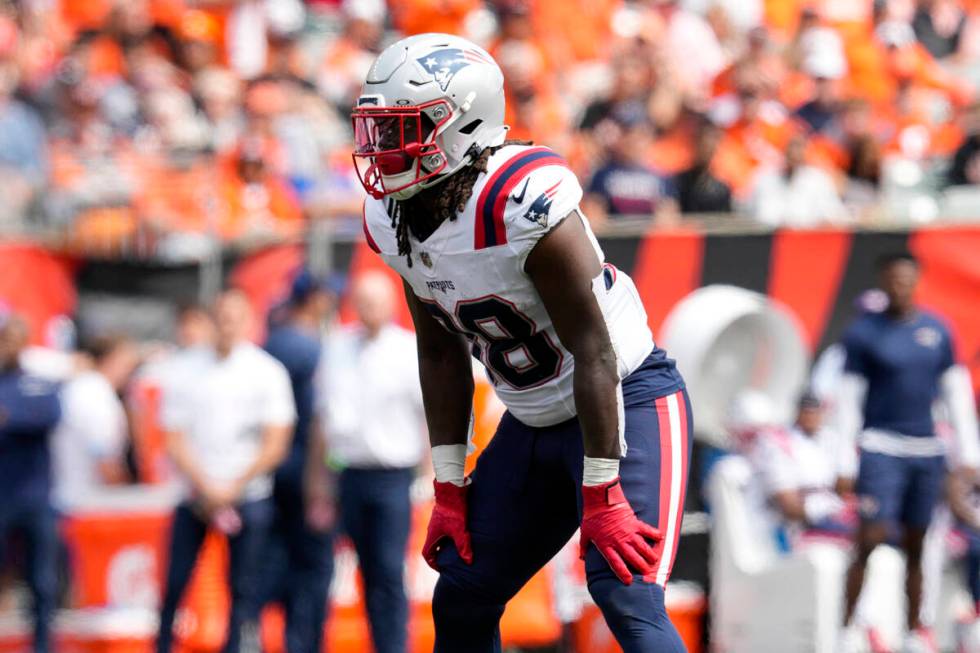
818,274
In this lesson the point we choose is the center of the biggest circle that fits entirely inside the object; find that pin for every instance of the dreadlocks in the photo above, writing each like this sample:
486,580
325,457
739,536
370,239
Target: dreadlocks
425,211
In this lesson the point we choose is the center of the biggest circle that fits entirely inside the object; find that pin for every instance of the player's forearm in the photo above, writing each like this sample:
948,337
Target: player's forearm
445,374
447,395
112,471
596,388
317,481
184,460
275,446
790,504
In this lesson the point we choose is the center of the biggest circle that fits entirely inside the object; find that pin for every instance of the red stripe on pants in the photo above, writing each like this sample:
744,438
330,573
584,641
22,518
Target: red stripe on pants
673,480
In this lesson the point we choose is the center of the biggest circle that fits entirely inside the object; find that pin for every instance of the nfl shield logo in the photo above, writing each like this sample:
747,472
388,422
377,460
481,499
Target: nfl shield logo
426,259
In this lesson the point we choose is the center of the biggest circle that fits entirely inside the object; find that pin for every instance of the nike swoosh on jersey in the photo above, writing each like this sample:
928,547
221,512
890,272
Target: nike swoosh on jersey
520,198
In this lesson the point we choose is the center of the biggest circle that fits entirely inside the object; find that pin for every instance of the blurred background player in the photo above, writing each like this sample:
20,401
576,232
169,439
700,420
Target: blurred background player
799,472
300,557
898,363
373,423
229,416
89,445
29,411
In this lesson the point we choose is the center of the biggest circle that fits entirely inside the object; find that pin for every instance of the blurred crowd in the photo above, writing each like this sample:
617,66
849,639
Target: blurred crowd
157,121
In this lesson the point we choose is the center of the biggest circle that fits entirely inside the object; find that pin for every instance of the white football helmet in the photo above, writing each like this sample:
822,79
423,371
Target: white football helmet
429,105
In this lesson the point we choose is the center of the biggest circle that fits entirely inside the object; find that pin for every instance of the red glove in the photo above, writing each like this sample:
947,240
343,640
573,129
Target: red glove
448,520
609,522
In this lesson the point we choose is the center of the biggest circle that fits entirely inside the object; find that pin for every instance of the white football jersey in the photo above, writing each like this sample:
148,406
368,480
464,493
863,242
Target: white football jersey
470,274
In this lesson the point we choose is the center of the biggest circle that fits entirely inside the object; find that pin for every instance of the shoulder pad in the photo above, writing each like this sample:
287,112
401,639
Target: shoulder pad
532,189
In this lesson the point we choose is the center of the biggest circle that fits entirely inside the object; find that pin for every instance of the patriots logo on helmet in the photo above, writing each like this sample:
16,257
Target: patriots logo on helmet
541,207
443,64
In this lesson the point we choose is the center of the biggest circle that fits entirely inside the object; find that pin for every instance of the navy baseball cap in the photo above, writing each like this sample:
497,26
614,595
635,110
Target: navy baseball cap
306,283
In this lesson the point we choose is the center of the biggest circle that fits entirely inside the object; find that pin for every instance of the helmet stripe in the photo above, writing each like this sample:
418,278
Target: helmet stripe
489,229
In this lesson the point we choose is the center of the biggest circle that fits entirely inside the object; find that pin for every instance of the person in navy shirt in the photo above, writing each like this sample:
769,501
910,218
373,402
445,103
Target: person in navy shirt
29,411
626,185
899,362
301,568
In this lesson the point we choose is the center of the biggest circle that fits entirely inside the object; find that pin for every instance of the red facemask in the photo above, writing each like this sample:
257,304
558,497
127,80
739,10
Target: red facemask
390,141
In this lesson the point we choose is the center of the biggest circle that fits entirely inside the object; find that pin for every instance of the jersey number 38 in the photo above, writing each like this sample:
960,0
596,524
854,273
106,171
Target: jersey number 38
506,340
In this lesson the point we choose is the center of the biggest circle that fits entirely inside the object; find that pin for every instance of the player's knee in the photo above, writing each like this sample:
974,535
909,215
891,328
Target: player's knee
455,608
619,601
636,614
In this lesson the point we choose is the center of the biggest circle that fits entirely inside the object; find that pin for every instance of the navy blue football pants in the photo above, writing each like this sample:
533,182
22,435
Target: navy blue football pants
245,549
525,503
299,568
376,511
36,525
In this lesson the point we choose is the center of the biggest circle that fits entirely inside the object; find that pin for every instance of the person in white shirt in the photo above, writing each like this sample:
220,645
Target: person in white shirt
797,195
89,445
373,422
228,415
799,468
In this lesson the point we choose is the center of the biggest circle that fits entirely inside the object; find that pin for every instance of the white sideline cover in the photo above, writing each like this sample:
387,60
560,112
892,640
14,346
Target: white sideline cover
726,340
766,602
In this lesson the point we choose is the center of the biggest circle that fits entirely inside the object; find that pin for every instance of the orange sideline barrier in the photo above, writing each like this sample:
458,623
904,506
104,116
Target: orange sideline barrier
118,560
80,643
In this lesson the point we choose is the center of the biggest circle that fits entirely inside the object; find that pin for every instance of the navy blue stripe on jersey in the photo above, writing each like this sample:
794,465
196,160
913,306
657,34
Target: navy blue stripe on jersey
490,230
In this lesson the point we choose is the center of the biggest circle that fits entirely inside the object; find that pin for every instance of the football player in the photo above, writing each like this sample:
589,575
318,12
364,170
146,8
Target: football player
498,261
899,363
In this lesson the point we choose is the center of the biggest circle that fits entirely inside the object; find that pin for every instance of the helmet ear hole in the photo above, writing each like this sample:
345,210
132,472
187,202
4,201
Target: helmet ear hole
470,127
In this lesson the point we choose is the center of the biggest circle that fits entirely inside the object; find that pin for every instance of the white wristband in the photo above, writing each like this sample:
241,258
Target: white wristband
596,471
449,461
